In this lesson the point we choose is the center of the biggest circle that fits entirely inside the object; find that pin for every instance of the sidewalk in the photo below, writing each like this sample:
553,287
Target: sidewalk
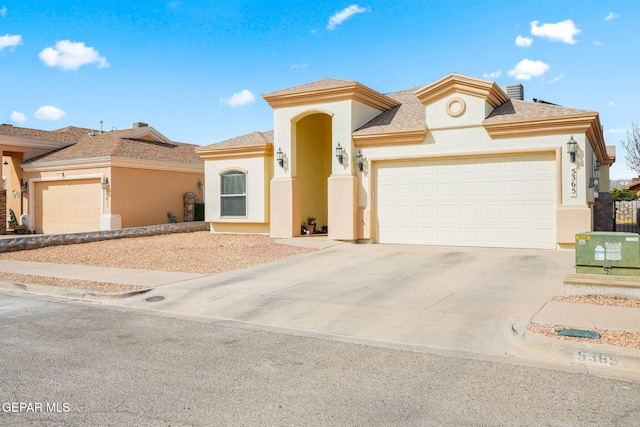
467,302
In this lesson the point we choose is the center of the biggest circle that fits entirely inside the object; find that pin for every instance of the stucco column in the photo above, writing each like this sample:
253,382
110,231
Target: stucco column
343,207
572,220
284,208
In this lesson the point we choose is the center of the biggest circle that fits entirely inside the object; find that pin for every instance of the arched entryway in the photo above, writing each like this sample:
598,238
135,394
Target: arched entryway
312,136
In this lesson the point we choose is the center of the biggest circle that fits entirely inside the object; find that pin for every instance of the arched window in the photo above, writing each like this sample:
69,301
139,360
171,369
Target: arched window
233,194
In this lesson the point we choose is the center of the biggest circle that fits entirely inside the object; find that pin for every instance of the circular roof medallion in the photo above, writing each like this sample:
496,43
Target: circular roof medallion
456,106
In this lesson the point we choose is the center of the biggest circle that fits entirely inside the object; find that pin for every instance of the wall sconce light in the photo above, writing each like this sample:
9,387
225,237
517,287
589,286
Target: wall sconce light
24,186
6,163
339,153
104,183
572,149
199,184
359,160
596,168
280,157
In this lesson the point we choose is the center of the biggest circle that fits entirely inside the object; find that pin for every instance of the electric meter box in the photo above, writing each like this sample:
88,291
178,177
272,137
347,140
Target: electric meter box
601,252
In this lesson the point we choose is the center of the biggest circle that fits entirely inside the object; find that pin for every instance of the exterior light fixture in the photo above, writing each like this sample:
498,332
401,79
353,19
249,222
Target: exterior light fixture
200,184
24,186
280,157
104,183
596,168
572,149
359,160
339,153
5,163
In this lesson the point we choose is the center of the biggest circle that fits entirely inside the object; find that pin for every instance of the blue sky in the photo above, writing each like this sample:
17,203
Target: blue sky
195,70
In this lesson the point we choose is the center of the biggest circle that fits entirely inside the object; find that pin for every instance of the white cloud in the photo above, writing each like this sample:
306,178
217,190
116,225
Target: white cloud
597,43
9,41
615,131
3,11
49,112
17,117
343,15
526,69
611,103
69,55
557,78
611,15
560,31
299,65
523,41
239,99
493,75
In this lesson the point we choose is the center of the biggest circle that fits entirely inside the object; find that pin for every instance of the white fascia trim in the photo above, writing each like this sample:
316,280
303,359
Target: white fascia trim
33,143
104,162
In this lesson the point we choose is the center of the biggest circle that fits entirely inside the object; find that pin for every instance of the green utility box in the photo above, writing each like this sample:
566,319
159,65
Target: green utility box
601,252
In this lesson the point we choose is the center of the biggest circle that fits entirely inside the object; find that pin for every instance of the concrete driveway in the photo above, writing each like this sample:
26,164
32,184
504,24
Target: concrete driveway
446,299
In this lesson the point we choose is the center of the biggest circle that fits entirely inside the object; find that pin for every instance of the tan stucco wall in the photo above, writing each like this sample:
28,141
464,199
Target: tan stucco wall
143,197
572,220
285,207
343,207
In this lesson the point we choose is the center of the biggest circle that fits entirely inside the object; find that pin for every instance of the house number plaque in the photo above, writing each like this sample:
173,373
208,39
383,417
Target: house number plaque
574,182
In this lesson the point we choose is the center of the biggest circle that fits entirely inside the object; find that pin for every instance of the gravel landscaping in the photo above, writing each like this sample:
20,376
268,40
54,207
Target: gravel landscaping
197,252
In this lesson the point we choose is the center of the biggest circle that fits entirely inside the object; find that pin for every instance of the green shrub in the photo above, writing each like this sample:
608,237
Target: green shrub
623,194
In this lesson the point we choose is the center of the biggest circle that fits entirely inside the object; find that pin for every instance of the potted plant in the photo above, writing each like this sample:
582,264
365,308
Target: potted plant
310,226
13,223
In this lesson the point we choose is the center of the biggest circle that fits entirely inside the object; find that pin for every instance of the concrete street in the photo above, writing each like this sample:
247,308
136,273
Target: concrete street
106,365
465,302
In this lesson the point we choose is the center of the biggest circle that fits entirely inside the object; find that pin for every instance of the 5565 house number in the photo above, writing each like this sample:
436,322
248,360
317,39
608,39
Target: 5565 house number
574,182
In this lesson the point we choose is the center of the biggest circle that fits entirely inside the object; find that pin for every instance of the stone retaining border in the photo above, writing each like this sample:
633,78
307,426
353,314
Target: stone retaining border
35,241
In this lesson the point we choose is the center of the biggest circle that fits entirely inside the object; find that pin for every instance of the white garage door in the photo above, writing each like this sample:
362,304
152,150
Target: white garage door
506,201
68,206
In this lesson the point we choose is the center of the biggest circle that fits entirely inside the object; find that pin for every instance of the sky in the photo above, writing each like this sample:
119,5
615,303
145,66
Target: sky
195,70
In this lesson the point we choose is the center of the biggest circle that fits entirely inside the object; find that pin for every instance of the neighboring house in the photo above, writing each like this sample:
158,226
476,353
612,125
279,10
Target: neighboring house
457,162
633,186
75,179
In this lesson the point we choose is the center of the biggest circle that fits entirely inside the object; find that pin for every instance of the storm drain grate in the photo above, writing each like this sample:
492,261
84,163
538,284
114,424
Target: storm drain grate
154,298
578,333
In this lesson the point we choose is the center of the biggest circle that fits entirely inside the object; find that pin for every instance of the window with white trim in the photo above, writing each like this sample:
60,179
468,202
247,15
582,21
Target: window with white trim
233,194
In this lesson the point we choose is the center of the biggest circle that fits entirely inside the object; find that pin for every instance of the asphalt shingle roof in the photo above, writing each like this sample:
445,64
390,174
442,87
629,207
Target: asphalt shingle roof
60,136
409,115
251,139
113,144
515,109
319,84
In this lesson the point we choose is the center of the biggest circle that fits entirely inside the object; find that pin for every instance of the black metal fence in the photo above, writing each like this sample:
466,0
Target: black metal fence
626,215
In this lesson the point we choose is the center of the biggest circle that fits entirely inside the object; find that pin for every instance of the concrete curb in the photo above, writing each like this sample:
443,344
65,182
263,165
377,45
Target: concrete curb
601,359
35,241
76,294
597,284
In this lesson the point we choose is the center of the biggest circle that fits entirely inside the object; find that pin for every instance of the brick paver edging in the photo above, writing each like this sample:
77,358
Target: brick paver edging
35,241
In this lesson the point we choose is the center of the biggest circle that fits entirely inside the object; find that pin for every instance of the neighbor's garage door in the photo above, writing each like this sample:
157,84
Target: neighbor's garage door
68,206
506,201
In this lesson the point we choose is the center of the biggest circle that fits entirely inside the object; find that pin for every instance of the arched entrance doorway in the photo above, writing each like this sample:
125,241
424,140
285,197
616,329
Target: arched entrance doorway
313,135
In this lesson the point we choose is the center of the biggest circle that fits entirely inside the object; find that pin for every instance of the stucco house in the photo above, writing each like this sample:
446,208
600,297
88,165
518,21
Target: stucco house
76,179
457,162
